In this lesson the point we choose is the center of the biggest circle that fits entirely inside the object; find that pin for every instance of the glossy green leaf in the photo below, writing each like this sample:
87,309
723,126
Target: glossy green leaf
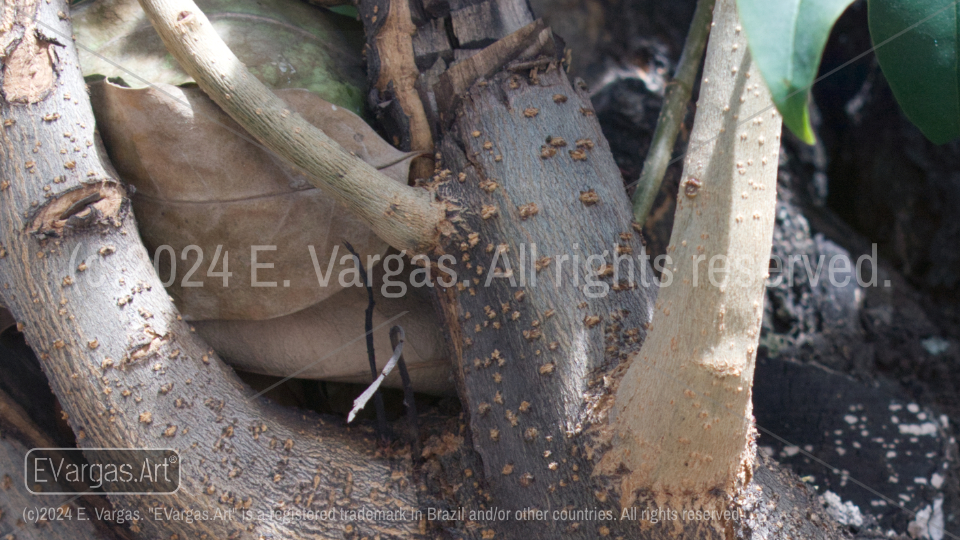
917,44
786,40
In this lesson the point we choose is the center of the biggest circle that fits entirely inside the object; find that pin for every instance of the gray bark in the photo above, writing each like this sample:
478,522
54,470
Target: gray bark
525,356
534,385
127,371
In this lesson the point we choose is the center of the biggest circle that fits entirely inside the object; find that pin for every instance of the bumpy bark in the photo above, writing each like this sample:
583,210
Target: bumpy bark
66,516
524,161
127,371
536,364
683,415
16,498
390,52
528,331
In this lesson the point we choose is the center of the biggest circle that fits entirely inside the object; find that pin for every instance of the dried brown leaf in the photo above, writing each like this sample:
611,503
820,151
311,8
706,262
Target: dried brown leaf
285,345
202,181
284,43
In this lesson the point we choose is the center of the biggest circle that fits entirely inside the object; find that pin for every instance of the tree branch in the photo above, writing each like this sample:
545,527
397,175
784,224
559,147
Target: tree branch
21,432
683,411
672,113
406,218
391,43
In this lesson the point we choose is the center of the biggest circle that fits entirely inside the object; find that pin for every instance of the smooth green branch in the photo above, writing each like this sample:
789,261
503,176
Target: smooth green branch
672,113
406,218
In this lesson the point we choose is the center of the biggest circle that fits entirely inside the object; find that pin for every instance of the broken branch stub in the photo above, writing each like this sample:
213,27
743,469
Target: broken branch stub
394,74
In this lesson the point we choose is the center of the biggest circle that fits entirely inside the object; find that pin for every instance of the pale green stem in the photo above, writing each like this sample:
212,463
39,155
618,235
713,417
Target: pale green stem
672,113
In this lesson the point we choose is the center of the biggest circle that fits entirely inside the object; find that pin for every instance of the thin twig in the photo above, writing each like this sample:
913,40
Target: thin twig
371,390
396,340
371,355
672,113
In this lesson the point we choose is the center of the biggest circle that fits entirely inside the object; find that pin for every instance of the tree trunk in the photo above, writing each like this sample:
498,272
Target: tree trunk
127,371
538,362
683,414
536,330
530,180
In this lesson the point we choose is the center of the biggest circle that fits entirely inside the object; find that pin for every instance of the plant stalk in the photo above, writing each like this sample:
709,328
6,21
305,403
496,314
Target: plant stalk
672,113
683,421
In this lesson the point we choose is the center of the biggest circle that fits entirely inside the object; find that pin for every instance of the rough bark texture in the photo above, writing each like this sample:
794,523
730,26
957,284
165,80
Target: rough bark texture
129,372
64,516
878,334
537,363
15,499
409,44
126,370
863,331
525,355
391,54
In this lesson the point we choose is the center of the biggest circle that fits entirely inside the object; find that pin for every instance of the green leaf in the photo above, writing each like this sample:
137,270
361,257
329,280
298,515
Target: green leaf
786,40
920,61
